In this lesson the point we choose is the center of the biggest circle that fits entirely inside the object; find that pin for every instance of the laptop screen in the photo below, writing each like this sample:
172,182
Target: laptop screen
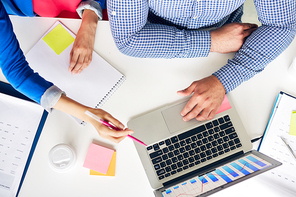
237,170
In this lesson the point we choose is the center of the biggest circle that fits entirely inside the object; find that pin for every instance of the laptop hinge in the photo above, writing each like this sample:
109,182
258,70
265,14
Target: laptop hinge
201,171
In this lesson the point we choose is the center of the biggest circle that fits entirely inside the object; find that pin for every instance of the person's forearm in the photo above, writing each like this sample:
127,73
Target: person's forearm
69,106
134,36
89,22
254,55
13,64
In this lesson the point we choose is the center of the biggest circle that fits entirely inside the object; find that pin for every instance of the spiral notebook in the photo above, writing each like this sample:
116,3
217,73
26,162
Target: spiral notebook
50,58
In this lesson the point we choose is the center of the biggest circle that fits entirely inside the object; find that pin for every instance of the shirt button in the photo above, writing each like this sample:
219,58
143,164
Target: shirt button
113,13
195,17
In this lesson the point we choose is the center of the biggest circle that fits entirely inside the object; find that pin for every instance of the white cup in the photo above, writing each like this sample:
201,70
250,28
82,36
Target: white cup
292,69
61,158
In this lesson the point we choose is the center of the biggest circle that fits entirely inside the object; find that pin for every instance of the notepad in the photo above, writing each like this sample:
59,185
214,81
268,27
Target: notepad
58,39
293,124
111,169
98,158
50,58
224,106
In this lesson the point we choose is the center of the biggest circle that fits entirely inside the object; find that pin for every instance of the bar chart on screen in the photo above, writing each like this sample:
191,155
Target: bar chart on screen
220,176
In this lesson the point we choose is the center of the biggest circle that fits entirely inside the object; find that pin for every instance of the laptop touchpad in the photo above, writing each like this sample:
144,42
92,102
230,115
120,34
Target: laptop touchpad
174,120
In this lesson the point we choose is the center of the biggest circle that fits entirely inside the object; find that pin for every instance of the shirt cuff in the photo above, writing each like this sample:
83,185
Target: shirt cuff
90,5
51,97
200,43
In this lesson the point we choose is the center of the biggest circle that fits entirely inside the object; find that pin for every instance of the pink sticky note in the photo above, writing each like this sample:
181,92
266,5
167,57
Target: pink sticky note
224,106
98,158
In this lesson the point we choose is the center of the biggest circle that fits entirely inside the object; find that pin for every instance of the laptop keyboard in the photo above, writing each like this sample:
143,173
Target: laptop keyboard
193,147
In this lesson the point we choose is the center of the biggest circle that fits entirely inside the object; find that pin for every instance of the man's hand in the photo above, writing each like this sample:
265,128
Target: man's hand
230,38
81,54
208,95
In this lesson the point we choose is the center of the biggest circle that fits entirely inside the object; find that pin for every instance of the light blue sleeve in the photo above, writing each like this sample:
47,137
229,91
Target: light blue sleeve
93,5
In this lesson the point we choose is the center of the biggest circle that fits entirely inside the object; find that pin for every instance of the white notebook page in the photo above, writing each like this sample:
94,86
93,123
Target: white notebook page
91,87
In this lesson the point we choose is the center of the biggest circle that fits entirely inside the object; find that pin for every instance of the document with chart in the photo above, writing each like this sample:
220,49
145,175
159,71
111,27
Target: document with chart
19,122
272,145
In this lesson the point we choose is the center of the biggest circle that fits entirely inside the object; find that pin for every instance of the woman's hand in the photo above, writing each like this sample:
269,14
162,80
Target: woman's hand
78,110
81,53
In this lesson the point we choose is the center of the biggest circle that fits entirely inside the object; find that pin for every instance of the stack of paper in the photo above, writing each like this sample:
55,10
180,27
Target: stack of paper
100,160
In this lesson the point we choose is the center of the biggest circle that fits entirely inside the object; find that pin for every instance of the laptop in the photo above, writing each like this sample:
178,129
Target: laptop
196,158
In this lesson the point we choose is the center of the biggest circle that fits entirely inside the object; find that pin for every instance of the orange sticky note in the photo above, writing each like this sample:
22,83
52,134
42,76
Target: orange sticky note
98,158
224,106
111,169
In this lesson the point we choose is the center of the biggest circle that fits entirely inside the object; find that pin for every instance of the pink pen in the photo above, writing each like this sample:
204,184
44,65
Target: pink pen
111,126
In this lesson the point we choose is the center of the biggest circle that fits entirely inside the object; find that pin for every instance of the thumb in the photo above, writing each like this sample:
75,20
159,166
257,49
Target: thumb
186,92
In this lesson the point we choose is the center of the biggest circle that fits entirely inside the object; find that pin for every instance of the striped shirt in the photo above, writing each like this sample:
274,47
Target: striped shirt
180,29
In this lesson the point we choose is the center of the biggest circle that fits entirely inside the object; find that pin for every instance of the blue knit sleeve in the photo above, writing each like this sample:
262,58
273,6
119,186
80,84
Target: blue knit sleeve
14,65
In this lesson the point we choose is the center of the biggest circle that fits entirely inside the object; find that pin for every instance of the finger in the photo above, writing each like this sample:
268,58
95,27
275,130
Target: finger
73,60
247,26
114,121
84,66
193,113
248,32
204,115
189,90
195,103
117,134
113,139
78,65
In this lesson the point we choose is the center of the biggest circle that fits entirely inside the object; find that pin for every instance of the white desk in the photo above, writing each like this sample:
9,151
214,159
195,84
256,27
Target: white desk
150,83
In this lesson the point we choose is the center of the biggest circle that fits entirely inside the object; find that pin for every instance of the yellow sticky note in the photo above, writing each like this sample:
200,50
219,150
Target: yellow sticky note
111,169
58,39
293,124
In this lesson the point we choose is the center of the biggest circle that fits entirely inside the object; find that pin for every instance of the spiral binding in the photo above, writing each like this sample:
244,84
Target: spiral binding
111,92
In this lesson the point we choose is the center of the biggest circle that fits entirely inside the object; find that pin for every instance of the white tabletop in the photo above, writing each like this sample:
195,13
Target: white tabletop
150,83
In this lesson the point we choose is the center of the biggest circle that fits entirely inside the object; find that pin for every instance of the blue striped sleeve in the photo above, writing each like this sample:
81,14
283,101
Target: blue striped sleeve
278,30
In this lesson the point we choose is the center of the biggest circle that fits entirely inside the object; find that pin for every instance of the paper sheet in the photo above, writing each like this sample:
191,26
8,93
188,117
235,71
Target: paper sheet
98,158
225,105
272,145
111,169
19,121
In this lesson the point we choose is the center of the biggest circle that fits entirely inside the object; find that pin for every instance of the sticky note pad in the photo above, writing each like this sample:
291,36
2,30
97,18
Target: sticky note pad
58,39
98,158
111,169
293,124
225,105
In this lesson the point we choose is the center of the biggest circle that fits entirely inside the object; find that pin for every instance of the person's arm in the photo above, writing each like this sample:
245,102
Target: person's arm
81,54
278,29
18,73
133,36
14,65
78,110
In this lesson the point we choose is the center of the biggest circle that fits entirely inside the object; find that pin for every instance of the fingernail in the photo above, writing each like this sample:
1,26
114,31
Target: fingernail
131,132
121,126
